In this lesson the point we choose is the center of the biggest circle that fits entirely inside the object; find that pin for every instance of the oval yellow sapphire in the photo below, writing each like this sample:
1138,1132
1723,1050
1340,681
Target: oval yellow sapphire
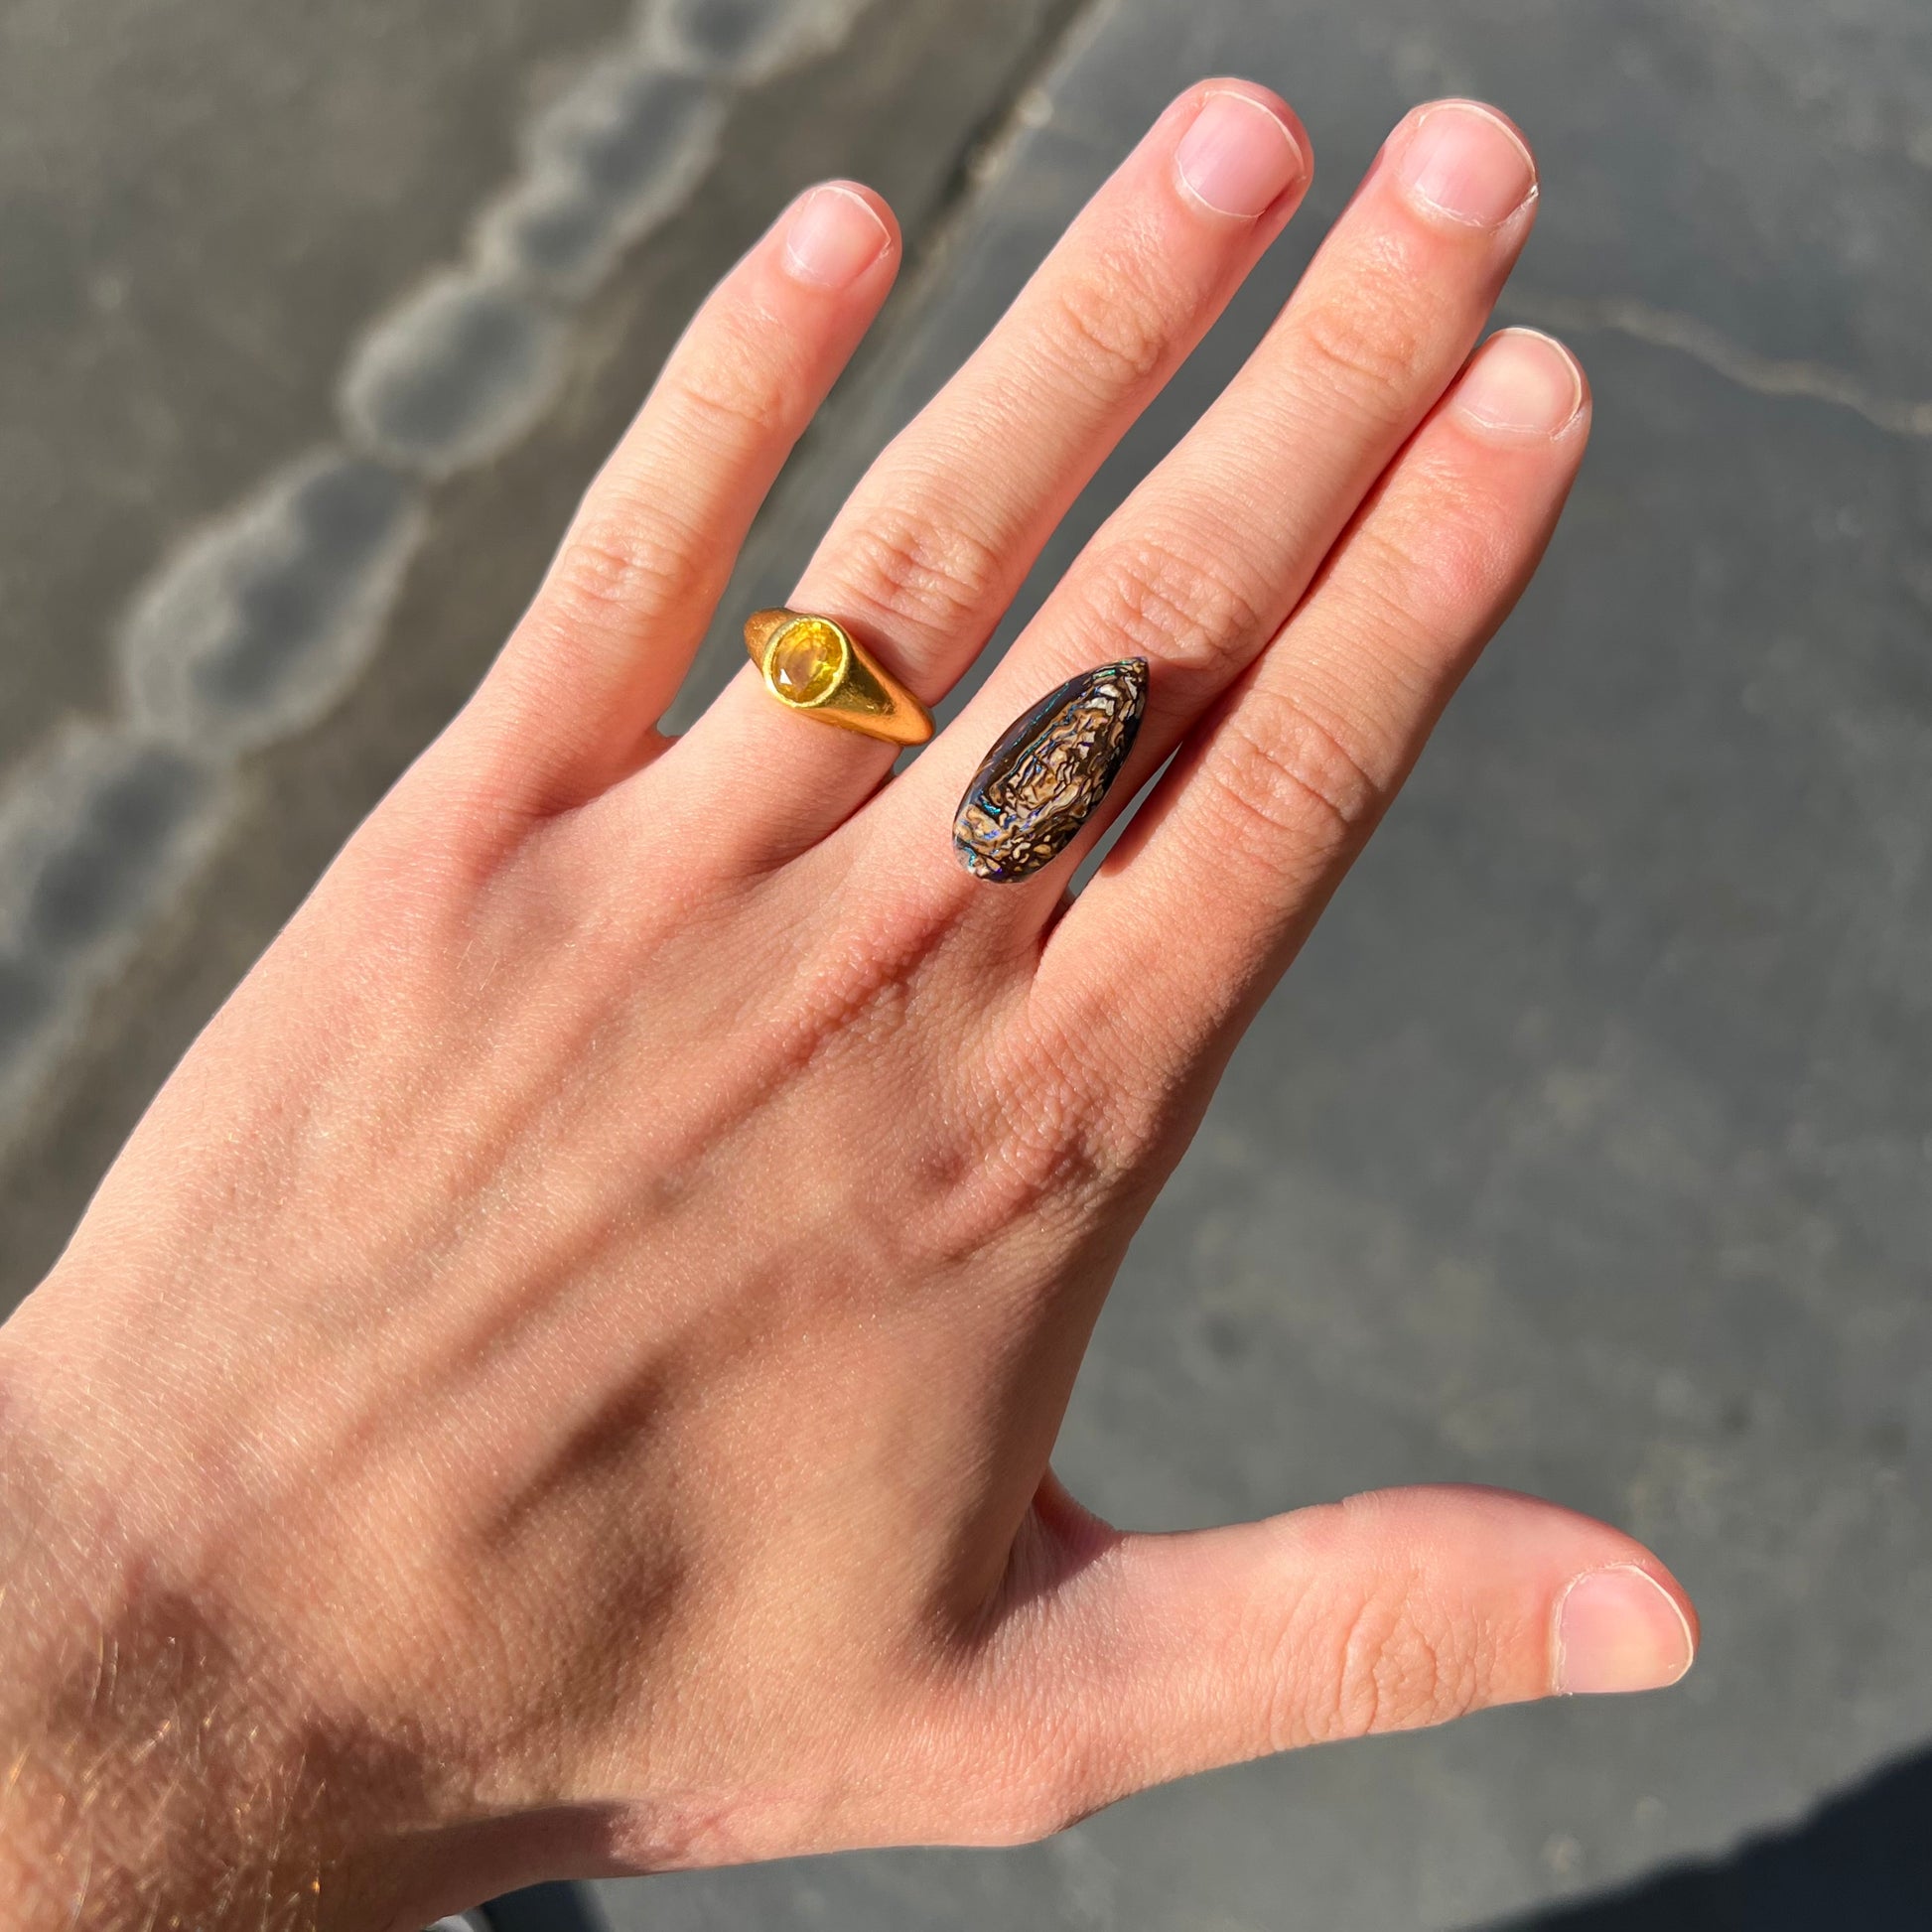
807,660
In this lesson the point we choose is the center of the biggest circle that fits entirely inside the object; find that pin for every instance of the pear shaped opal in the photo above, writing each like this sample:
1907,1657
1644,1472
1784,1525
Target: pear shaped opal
1041,781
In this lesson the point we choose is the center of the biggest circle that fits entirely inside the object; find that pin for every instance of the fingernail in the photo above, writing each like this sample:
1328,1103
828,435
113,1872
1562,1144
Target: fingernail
834,237
1467,162
1619,1629
1238,157
1523,383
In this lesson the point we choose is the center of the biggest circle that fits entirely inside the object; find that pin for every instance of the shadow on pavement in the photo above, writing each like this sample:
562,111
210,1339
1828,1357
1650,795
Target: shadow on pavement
542,1908
1864,1861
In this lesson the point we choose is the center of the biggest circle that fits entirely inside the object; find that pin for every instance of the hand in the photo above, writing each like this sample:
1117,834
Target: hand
563,1378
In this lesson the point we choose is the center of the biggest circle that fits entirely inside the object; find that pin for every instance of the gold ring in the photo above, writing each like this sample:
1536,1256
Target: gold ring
813,665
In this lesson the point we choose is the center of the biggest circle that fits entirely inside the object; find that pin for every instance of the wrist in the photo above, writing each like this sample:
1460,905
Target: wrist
194,1729
147,1774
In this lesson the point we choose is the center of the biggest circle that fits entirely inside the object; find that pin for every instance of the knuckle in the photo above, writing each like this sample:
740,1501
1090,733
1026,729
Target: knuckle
619,567
1396,1673
1048,1767
1291,782
1048,1804
1178,611
1127,1130
734,386
1126,1137
1119,1111
1084,1773
1041,1154
917,569
1433,560
1078,1131
1386,1664
1031,1816
1040,1146
631,552
1112,330
1329,1687
1365,339
1061,1811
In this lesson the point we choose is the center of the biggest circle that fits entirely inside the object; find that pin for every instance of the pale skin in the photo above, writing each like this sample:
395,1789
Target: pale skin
562,1381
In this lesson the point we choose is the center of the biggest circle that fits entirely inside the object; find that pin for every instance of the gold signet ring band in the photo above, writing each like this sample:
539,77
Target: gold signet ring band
813,665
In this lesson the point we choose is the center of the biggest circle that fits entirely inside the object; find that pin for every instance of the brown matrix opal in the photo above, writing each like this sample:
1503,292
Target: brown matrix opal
1041,781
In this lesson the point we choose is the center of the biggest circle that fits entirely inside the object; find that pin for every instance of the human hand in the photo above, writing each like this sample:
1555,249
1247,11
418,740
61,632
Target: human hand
563,1379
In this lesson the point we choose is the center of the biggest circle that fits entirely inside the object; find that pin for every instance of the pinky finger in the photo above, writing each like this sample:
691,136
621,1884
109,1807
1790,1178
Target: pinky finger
575,699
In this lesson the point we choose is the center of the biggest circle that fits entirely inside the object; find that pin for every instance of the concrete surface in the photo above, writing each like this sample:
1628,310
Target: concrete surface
1588,1148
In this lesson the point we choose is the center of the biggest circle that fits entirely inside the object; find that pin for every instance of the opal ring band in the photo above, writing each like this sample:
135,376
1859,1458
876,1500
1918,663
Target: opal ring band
813,665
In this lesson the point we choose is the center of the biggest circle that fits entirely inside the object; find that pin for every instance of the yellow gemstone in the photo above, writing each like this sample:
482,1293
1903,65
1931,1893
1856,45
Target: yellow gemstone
807,662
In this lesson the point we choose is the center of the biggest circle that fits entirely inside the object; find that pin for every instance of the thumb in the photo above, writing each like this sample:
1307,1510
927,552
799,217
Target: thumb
1162,1655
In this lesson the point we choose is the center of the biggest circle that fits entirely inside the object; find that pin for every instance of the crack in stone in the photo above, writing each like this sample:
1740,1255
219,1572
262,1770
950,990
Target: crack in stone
1762,374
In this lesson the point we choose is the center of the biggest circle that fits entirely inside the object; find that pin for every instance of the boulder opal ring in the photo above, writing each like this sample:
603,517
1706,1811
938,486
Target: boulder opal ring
1041,781
813,665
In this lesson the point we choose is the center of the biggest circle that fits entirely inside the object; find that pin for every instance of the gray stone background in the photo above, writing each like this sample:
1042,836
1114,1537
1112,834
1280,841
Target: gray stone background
1588,1150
